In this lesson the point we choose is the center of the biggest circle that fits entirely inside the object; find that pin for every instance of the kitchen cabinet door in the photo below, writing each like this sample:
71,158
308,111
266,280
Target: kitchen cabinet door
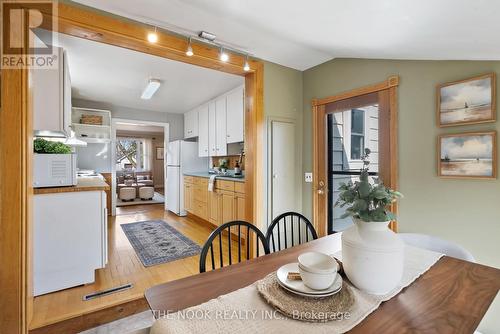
52,98
203,135
235,116
188,197
227,206
214,207
221,126
240,213
212,127
191,124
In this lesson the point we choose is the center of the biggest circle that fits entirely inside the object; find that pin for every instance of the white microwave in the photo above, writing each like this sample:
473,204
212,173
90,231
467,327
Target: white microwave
54,170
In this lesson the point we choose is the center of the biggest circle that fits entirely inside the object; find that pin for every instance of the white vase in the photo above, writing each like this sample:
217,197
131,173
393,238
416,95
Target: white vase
372,256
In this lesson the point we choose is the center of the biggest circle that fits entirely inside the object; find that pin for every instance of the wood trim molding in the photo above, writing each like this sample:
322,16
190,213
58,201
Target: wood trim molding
16,140
387,91
392,81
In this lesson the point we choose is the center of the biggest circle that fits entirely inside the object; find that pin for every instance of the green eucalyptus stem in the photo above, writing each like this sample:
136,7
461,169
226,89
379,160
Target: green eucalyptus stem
364,200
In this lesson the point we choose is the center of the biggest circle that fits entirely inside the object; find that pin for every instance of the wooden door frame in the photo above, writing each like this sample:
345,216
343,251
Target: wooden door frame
388,172
16,140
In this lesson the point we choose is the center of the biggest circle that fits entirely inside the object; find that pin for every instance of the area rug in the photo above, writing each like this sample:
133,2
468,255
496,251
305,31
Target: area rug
156,242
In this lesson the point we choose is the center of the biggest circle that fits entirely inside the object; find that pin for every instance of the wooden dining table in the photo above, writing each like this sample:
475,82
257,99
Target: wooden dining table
451,297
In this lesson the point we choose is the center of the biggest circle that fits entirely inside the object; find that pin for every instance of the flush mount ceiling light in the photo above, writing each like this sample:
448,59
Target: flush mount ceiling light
153,36
151,88
189,50
246,67
223,56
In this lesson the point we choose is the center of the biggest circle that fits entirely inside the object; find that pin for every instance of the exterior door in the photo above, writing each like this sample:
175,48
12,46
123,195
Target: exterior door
343,125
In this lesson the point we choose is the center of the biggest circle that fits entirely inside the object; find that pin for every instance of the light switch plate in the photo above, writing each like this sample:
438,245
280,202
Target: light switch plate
308,177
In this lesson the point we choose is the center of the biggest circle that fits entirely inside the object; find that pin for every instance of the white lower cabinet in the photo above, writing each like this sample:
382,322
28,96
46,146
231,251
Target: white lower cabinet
70,239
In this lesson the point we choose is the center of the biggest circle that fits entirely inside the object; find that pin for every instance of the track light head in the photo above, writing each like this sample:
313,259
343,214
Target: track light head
223,56
153,36
246,67
189,50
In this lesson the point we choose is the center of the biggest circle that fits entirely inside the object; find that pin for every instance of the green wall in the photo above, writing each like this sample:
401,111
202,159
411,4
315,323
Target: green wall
283,101
464,211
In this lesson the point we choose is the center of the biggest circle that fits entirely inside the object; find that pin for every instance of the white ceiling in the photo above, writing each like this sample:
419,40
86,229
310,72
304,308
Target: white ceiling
117,76
304,33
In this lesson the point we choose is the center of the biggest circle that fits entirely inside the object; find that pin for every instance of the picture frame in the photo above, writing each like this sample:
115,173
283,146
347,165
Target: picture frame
160,153
467,155
467,101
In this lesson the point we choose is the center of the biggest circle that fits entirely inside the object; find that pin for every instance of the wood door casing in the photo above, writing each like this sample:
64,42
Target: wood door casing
388,159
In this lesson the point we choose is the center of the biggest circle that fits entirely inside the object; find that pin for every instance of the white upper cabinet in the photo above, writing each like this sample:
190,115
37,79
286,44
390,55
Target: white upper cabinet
221,126
191,124
235,115
52,99
203,131
212,125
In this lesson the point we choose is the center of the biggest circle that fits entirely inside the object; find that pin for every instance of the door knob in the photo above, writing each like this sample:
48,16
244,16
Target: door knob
321,188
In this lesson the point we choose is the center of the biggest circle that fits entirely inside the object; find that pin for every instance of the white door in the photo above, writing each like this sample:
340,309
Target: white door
212,124
221,127
203,131
283,168
235,115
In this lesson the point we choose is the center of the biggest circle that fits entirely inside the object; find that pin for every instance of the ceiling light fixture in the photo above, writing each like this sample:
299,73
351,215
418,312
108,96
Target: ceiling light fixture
189,50
246,67
150,89
153,36
223,56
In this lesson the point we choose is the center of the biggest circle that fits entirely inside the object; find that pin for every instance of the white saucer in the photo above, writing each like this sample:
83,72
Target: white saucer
298,287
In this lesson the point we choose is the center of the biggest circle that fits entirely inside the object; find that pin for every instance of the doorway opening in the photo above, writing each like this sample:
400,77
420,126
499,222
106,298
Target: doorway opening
139,168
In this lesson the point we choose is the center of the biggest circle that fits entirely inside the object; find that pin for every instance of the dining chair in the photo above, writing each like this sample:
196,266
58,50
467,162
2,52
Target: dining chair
283,227
229,231
436,244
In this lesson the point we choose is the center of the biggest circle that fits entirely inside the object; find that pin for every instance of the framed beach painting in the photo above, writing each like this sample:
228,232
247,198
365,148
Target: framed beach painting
468,101
468,155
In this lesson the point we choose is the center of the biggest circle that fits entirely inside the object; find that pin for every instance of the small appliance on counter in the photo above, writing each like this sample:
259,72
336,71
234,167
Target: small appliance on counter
54,170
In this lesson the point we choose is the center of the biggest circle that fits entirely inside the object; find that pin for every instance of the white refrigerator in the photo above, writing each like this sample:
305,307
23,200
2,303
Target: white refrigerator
182,157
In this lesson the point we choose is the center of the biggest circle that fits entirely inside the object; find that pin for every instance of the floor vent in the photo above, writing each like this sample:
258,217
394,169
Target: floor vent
108,291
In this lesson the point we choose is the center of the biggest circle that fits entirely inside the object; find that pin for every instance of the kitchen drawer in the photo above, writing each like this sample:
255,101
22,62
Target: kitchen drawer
188,179
200,209
224,185
201,181
239,187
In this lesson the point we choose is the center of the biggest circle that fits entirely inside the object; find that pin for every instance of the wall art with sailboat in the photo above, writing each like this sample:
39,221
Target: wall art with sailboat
468,155
468,101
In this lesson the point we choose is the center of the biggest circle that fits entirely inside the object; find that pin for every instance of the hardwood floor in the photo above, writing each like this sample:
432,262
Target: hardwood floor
63,307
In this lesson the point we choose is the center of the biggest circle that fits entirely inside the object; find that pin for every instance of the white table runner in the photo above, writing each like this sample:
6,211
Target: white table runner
245,311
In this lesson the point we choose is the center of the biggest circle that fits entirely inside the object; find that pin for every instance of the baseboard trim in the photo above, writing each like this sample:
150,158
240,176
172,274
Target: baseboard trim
94,319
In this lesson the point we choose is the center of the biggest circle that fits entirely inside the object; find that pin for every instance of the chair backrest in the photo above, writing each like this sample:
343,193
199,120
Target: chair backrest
437,245
229,231
289,229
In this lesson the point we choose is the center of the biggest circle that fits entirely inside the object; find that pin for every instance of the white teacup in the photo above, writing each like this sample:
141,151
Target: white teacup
317,270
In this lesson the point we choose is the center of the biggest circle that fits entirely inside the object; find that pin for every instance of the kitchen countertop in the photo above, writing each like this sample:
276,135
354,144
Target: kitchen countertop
84,183
207,175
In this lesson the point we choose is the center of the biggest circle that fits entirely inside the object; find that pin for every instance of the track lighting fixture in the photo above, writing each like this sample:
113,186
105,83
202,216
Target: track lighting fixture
189,50
223,56
153,37
246,67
